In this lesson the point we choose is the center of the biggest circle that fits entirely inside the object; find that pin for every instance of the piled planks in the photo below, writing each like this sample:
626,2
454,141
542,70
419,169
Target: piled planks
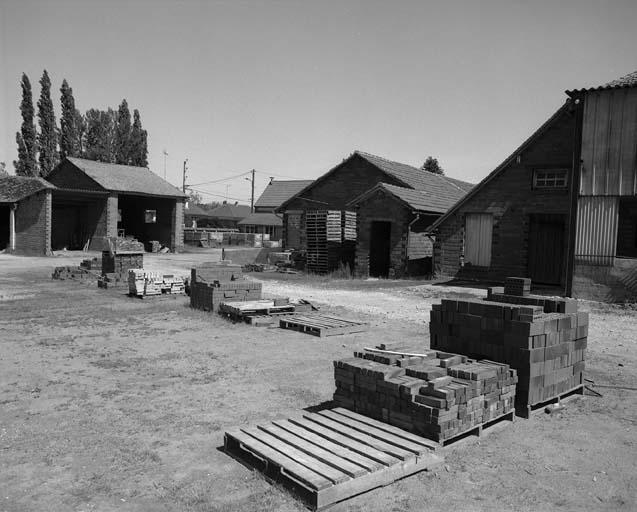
437,395
330,239
331,455
322,325
544,339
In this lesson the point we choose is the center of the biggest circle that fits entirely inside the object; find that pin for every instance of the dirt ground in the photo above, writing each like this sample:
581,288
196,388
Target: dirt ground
114,403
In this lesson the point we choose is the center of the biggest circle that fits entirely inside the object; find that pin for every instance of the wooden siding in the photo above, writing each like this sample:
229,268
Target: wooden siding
596,236
609,143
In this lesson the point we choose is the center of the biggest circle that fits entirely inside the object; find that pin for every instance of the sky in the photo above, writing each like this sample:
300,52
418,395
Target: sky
291,88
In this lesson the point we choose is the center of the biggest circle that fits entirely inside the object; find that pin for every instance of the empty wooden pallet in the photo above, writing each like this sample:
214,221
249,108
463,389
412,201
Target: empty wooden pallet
332,455
322,325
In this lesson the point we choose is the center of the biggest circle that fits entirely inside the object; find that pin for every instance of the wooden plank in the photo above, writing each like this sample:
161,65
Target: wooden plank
332,474
387,428
364,449
401,442
300,472
338,449
392,449
317,452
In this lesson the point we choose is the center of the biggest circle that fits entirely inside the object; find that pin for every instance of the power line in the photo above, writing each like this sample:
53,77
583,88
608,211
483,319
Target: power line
223,196
281,175
221,179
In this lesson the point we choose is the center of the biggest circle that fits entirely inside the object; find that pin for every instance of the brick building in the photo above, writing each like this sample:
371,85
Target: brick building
357,174
93,201
562,208
25,215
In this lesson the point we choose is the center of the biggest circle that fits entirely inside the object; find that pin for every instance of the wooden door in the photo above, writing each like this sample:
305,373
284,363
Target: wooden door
379,248
546,248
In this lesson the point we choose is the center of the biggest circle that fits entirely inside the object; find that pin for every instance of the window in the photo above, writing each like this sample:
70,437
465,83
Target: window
477,239
150,216
550,178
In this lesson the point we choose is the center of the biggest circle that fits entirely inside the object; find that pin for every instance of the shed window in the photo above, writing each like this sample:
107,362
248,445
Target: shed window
550,178
478,237
150,216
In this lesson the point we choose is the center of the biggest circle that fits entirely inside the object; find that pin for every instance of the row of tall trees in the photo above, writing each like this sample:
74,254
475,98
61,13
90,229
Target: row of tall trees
104,135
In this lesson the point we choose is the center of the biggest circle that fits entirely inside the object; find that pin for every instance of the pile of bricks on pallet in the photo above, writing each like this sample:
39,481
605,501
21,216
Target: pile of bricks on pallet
92,264
437,395
142,283
115,267
543,338
214,283
67,272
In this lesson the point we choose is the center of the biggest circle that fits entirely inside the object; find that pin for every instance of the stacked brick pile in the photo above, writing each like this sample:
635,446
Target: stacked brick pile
92,264
115,267
67,272
438,396
214,283
143,283
544,339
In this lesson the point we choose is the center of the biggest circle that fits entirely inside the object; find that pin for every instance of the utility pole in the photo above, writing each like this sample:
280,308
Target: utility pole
184,180
165,155
252,196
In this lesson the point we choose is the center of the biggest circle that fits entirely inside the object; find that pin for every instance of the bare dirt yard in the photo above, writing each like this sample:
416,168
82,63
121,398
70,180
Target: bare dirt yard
114,403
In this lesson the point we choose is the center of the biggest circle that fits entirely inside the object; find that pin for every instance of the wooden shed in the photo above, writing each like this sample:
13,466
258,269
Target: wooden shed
562,208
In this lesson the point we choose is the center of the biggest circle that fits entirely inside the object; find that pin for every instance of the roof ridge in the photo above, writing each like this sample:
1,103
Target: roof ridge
365,153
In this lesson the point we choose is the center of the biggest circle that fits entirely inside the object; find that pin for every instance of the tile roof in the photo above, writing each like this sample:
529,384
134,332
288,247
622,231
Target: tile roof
16,188
419,200
277,192
126,178
196,210
262,219
629,80
500,168
230,211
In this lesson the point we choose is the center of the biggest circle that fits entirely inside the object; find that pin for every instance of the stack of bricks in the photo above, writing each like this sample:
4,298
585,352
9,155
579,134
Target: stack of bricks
438,396
115,267
142,283
544,339
214,283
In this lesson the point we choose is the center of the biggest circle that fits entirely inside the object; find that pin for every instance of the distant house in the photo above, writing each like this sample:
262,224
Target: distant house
195,215
228,215
372,186
93,201
25,215
562,208
264,219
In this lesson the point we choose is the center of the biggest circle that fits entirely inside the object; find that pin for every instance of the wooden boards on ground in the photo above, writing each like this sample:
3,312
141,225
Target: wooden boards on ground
322,325
332,455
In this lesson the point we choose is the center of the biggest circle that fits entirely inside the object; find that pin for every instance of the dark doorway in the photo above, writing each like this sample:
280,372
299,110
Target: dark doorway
379,248
546,248
4,226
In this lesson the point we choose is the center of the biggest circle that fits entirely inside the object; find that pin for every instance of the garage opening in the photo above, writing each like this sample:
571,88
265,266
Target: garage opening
76,220
145,218
379,248
5,231
546,248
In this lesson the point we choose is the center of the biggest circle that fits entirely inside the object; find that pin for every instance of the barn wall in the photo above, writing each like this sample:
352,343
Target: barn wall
33,224
511,199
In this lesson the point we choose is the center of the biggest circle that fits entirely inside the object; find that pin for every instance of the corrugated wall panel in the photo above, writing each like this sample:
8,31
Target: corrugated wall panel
596,236
609,148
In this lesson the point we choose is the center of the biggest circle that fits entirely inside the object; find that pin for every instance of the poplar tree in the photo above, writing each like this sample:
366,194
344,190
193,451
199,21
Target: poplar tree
99,139
47,137
123,134
68,123
138,142
27,163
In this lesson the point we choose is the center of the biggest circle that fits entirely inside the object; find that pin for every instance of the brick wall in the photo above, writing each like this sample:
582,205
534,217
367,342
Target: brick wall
111,215
511,199
33,224
177,230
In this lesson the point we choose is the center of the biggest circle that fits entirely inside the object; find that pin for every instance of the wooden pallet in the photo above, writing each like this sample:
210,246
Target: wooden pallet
238,311
478,430
322,325
332,455
525,411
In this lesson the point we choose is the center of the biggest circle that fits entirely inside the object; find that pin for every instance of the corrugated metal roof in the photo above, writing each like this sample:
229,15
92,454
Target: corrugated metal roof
500,168
126,178
419,200
16,188
629,80
262,219
230,211
277,192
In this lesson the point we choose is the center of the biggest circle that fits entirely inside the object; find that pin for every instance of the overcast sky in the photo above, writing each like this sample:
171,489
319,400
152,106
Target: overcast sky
291,88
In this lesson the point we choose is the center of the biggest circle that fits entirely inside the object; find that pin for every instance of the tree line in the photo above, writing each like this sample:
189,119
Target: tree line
104,135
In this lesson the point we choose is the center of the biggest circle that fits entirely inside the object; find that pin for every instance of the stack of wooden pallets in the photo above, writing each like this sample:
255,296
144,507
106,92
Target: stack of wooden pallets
543,338
330,239
437,395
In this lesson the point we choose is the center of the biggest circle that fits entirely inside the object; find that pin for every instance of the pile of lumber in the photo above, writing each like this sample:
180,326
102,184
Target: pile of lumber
544,339
213,283
437,395
142,283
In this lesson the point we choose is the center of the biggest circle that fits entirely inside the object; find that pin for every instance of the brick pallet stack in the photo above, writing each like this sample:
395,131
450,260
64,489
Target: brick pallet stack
115,267
544,339
439,396
330,239
143,283
212,284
